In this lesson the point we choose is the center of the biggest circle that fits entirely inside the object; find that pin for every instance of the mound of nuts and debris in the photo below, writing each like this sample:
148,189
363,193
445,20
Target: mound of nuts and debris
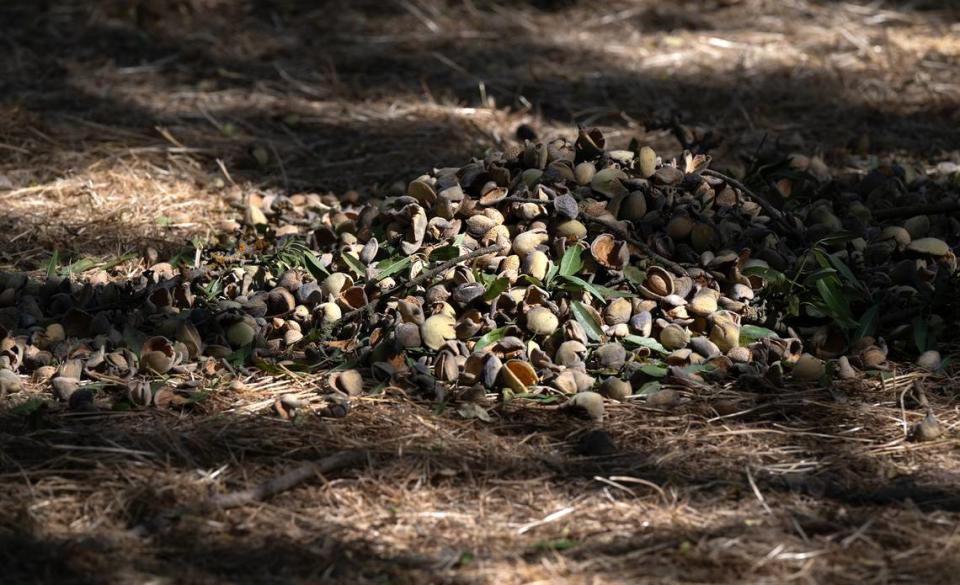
558,271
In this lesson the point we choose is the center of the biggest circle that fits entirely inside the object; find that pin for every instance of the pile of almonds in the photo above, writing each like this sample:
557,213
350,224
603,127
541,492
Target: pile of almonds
557,270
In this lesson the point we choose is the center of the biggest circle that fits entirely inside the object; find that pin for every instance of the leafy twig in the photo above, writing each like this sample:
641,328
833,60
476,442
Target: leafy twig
424,277
443,268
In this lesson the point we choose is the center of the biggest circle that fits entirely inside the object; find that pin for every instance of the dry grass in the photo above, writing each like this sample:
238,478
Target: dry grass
114,118
799,486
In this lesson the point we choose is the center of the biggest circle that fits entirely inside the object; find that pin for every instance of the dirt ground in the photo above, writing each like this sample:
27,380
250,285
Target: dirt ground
133,125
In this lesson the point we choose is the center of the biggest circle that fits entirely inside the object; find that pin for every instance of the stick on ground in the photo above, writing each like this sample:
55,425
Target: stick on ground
911,210
443,268
768,207
622,234
422,278
284,482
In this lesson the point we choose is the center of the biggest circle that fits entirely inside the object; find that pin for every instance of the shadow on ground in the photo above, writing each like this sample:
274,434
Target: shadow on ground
359,95
295,76
850,509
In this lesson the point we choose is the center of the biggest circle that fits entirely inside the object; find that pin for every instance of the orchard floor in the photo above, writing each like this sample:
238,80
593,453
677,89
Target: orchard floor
807,485
126,127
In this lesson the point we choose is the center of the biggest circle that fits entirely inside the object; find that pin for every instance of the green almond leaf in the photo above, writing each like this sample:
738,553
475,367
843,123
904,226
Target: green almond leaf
752,333
353,263
821,258
571,263
817,310
551,274
78,267
634,274
647,342
849,277
868,323
53,264
773,277
213,288
841,237
880,374
921,334
490,338
819,274
584,285
29,407
793,305
393,267
649,388
351,364
612,293
302,367
473,410
495,288
268,367
654,371
133,338
531,280
239,356
697,368
586,320
444,253
485,279
117,261
314,267
541,398
834,300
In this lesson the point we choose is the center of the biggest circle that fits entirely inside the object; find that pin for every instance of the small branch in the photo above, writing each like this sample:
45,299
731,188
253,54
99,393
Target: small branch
623,235
525,200
443,268
422,278
766,205
284,482
911,210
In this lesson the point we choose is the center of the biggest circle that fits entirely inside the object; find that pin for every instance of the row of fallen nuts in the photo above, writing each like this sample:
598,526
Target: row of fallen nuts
525,317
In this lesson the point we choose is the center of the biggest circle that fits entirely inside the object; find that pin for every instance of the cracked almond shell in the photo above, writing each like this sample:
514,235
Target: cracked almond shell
518,375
